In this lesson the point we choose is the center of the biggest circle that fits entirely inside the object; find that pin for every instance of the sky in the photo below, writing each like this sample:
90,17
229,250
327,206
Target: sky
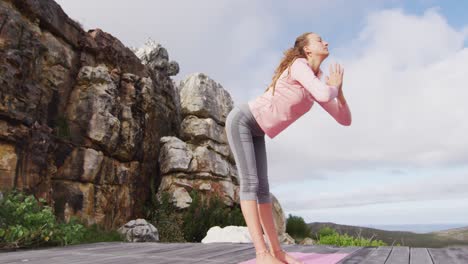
403,160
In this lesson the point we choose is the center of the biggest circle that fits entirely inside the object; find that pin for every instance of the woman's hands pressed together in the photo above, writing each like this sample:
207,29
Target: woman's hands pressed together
336,76
337,108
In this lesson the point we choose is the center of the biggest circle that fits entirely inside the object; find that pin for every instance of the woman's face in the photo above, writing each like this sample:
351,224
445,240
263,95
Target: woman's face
317,46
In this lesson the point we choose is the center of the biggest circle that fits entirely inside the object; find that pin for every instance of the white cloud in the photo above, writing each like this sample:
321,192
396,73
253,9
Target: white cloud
439,187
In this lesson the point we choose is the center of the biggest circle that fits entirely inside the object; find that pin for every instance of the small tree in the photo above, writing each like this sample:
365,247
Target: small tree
166,218
297,227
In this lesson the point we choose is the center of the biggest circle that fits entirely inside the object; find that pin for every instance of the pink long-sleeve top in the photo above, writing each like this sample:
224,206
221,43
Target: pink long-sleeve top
294,96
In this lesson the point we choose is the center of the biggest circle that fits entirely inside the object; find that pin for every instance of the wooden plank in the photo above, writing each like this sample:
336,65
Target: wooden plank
148,259
68,258
326,249
182,250
236,253
207,250
378,256
448,255
171,254
131,250
398,255
320,249
103,245
45,253
358,256
243,255
28,256
155,248
240,251
420,256
460,254
126,257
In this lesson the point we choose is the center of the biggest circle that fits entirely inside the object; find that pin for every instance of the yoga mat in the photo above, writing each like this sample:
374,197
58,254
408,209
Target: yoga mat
311,258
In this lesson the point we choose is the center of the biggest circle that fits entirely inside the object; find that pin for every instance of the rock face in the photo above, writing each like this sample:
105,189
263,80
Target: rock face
201,158
80,115
156,57
87,123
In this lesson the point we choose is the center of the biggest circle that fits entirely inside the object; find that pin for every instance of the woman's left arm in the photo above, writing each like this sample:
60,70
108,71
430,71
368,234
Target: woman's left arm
338,108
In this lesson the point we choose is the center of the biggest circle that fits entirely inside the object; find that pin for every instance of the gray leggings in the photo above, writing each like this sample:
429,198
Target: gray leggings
247,142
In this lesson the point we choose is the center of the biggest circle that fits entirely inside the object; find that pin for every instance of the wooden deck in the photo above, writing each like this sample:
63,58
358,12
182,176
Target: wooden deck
174,253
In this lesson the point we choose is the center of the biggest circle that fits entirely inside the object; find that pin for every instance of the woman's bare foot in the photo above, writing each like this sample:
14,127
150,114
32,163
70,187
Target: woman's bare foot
267,258
284,256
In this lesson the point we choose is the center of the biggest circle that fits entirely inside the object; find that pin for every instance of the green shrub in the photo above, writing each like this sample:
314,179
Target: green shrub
329,236
26,222
95,233
326,231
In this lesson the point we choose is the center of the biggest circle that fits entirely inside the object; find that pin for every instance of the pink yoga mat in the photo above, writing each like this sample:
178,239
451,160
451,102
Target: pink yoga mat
310,258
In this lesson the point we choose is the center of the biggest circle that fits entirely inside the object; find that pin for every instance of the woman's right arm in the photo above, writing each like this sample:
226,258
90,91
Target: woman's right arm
301,72
338,108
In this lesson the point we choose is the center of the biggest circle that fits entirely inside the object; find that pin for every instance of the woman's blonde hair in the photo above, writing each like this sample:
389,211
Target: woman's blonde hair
289,56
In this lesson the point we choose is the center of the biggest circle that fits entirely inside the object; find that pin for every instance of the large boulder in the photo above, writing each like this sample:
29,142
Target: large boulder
139,230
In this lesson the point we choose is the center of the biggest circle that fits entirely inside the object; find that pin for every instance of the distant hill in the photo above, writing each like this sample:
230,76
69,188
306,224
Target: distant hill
450,237
460,233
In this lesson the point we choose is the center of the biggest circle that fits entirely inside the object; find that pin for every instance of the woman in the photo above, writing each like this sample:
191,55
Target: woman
295,86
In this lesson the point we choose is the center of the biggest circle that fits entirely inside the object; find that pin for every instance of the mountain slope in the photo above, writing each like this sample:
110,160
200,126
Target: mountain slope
460,233
451,237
